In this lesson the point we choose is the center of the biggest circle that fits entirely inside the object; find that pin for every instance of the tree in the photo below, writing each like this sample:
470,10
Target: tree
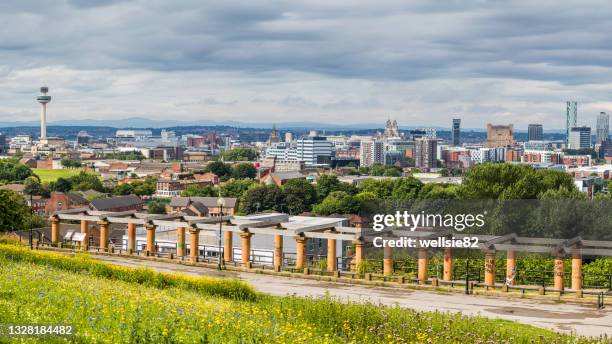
219,168
240,154
337,202
199,191
377,170
392,171
146,187
299,196
70,163
15,212
156,207
329,183
133,155
406,188
262,197
244,170
86,181
506,181
382,188
34,187
438,191
13,171
60,185
124,189
236,187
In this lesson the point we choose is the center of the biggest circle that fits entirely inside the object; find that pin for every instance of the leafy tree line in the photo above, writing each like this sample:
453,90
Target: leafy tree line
133,155
227,171
240,154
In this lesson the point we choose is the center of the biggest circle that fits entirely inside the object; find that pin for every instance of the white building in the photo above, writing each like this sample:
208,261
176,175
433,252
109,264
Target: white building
314,150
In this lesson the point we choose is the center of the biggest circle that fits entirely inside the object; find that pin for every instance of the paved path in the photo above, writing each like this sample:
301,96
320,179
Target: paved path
581,319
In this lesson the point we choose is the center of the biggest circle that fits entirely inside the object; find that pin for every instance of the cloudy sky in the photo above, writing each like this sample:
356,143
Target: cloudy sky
340,61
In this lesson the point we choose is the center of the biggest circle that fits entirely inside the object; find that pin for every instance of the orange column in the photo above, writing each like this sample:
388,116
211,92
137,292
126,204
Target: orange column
245,239
131,233
511,266
278,252
85,231
489,269
103,235
359,253
423,262
55,230
559,273
194,243
387,261
576,271
180,242
300,256
150,238
331,255
228,254
447,274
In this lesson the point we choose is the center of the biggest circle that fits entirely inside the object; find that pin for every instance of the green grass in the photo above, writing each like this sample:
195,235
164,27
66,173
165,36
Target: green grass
135,310
52,175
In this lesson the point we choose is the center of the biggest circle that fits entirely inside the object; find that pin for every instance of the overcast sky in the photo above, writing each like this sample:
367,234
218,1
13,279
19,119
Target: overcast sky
338,61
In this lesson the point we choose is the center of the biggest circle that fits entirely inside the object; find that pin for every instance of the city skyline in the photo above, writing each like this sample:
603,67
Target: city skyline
218,61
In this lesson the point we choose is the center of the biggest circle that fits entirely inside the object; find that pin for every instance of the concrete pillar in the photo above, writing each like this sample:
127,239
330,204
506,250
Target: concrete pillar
447,273
194,243
131,233
180,242
559,273
331,255
245,241
387,261
576,271
103,235
278,252
55,230
300,256
359,253
489,269
150,238
422,265
511,266
85,232
228,251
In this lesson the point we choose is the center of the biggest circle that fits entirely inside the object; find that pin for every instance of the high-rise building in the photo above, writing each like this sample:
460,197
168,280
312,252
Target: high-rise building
535,132
580,138
603,127
499,135
371,152
43,99
288,137
314,150
425,152
456,131
571,118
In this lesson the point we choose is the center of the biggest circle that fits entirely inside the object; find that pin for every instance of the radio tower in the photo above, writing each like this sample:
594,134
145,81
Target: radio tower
43,99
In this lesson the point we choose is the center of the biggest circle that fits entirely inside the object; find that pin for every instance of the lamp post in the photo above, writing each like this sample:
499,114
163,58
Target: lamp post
31,219
220,203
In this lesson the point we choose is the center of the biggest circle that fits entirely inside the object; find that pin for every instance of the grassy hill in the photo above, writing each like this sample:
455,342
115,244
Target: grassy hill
112,304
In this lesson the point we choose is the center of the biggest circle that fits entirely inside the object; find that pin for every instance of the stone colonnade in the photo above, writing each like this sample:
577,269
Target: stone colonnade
301,244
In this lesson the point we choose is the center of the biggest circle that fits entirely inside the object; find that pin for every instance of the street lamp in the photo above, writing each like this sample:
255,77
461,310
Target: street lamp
221,204
31,219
